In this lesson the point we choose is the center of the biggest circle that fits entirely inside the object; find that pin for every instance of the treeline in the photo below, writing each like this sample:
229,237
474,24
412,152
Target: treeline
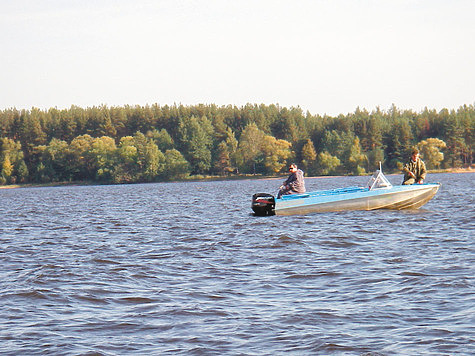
156,143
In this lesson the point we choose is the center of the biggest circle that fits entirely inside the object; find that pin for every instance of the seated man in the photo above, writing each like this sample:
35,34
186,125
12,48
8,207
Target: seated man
294,184
414,170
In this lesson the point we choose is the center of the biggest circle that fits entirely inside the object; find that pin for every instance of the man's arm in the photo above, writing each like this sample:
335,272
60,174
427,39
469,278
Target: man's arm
423,170
407,169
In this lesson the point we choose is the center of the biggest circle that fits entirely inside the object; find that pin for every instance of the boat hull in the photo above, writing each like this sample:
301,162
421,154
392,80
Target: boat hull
358,198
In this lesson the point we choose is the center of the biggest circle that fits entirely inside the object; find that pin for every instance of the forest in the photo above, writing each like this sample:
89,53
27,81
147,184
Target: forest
152,143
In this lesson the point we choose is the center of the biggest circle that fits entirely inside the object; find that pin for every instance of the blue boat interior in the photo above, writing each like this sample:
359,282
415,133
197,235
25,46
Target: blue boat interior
325,193
377,180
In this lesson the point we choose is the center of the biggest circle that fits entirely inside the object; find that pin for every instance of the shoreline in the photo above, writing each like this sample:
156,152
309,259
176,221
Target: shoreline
211,178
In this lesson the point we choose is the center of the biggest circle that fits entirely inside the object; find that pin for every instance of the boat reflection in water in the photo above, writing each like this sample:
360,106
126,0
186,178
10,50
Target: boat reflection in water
379,193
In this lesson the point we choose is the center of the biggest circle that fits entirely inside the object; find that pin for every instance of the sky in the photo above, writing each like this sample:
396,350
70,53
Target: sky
324,56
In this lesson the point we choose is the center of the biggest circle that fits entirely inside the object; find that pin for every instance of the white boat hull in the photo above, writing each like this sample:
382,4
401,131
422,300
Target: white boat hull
396,197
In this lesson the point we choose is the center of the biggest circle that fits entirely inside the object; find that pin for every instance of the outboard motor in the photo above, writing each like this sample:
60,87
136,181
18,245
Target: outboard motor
263,204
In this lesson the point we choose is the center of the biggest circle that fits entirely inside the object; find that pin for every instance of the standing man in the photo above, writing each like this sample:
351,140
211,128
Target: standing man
414,170
294,184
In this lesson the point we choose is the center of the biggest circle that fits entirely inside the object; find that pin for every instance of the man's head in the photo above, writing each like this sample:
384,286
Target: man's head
415,154
293,168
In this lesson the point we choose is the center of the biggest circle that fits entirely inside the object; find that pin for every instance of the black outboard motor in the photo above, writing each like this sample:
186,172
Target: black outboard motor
263,204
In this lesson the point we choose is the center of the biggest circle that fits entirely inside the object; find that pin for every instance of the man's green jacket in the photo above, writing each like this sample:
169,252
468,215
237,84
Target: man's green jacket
418,168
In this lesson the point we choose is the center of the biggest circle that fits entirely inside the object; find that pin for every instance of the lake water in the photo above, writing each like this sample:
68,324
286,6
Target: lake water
185,269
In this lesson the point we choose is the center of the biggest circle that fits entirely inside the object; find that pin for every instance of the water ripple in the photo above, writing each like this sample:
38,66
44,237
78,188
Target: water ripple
108,270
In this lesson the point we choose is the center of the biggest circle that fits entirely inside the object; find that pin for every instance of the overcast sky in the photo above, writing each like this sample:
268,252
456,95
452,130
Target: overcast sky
326,56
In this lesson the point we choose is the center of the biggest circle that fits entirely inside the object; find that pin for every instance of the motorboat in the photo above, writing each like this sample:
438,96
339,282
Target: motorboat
379,193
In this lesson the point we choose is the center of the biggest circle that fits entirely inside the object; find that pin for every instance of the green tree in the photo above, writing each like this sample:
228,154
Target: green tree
138,160
176,166
43,173
162,139
375,133
458,130
126,169
355,159
398,143
99,122
223,160
455,141
467,121
374,157
232,145
22,171
198,131
118,117
30,133
196,142
220,127
337,142
56,161
153,161
289,125
249,149
67,126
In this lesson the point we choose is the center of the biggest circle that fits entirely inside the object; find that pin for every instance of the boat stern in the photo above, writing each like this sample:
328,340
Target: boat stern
263,204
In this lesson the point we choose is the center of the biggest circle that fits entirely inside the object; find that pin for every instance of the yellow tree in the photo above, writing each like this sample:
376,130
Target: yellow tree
309,156
82,163
327,163
258,152
12,165
7,168
356,160
103,150
276,153
430,151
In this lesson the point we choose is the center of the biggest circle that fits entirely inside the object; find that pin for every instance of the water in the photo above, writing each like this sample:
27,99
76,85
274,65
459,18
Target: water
185,269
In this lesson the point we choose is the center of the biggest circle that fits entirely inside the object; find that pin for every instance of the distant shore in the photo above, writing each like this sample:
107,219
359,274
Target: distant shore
209,178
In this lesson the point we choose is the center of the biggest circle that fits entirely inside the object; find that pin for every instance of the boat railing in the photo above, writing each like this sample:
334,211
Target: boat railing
378,181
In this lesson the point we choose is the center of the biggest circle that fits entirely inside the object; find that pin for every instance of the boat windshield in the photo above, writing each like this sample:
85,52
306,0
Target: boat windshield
378,180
